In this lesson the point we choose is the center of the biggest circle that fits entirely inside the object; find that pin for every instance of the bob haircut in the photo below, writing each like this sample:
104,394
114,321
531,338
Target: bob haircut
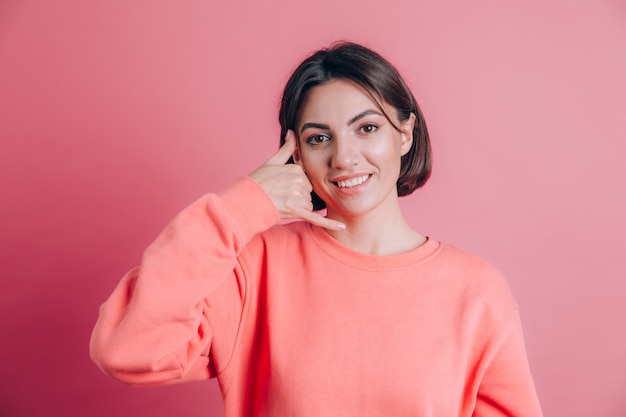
373,73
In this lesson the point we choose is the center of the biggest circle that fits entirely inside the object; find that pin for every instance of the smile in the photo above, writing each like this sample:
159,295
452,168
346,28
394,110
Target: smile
352,182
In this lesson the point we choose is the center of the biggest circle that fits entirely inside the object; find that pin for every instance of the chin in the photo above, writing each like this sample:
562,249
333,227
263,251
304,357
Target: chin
352,209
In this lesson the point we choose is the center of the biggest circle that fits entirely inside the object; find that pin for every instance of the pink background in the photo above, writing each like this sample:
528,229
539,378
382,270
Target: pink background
116,114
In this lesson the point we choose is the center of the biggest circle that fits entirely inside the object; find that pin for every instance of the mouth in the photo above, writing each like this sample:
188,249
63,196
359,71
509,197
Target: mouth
352,182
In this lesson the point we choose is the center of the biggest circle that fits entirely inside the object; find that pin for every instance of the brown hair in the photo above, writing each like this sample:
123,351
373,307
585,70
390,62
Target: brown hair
382,81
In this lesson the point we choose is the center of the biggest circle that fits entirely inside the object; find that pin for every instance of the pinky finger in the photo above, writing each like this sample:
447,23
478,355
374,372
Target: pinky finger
319,220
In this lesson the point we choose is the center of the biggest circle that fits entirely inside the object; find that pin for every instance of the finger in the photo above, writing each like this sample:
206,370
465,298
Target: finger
319,220
285,152
306,183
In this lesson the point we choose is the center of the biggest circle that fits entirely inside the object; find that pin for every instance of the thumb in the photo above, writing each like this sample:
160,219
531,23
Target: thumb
285,152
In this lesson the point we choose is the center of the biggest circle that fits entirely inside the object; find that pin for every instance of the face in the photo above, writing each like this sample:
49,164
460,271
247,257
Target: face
349,150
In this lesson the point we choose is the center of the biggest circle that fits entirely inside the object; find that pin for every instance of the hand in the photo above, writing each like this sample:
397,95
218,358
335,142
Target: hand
289,188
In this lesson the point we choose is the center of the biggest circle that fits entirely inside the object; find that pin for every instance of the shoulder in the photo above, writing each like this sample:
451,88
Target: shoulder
473,278
459,261
280,239
284,233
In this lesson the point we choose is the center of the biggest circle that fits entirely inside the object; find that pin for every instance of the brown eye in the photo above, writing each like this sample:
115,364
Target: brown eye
317,139
369,128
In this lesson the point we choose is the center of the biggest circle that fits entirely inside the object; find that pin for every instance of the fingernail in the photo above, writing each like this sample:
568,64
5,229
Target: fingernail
341,226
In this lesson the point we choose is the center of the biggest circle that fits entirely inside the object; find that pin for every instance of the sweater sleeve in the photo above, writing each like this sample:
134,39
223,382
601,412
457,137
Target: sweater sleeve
507,387
167,320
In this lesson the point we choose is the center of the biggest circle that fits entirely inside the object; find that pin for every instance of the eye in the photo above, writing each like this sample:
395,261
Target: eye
317,139
369,128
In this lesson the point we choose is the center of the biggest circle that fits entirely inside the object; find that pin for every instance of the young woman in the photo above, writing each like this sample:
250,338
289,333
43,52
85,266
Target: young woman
351,314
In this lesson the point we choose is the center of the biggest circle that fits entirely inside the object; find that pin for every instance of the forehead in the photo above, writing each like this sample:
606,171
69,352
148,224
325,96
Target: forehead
338,101
336,94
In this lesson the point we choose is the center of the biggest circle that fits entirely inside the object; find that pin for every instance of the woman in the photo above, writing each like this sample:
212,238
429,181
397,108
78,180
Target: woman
351,314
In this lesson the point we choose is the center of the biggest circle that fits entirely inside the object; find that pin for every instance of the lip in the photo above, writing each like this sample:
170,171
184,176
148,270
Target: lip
354,189
350,176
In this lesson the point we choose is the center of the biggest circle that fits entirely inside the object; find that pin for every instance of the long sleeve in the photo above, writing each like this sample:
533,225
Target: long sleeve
162,323
507,388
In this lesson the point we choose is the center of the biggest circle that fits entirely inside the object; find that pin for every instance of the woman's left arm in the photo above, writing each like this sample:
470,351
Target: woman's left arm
507,387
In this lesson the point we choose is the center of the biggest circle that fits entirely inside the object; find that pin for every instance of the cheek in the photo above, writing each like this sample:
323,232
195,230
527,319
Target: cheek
386,152
312,161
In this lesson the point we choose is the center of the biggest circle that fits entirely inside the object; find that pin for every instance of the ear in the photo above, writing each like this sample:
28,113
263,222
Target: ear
406,132
296,153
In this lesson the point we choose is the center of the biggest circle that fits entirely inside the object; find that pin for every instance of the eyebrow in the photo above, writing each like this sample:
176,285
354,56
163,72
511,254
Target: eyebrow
353,120
363,114
315,125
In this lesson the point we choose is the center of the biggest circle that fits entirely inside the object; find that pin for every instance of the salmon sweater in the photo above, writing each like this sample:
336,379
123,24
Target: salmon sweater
292,323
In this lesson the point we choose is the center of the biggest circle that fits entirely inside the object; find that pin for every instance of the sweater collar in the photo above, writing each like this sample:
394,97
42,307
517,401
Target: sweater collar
360,260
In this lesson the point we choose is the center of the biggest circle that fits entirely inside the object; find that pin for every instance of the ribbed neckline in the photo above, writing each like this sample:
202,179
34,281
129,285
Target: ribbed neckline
359,260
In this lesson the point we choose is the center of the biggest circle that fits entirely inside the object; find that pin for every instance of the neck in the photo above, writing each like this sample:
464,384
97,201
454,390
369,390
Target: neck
380,233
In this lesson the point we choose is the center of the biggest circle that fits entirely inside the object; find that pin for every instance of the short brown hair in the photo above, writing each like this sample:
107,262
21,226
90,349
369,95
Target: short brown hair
373,73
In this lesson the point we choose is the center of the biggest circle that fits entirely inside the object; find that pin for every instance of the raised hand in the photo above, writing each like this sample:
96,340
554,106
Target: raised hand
289,188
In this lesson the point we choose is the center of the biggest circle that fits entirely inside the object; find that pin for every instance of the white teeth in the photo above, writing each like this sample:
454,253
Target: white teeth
353,182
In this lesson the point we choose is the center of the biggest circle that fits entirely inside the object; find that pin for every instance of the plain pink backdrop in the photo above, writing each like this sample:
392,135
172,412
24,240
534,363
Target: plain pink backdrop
116,114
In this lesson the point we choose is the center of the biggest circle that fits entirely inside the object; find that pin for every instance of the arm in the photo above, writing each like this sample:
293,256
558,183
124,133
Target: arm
158,326
176,317
507,387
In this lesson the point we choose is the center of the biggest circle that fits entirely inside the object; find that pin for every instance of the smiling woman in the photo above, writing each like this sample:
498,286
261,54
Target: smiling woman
388,92
352,313
352,159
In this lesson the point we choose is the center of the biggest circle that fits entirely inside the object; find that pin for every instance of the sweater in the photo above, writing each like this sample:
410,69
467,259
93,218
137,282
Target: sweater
292,323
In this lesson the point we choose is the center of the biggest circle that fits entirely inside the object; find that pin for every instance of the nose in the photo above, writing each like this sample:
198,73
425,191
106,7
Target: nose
345,152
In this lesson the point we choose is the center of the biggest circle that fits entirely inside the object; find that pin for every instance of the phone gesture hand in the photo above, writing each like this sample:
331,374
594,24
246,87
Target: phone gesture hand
289,188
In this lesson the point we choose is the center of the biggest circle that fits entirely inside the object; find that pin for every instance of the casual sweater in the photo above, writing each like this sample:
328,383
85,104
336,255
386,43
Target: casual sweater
293,323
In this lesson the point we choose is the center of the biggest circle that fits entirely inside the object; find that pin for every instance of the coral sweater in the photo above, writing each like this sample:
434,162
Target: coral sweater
292,323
